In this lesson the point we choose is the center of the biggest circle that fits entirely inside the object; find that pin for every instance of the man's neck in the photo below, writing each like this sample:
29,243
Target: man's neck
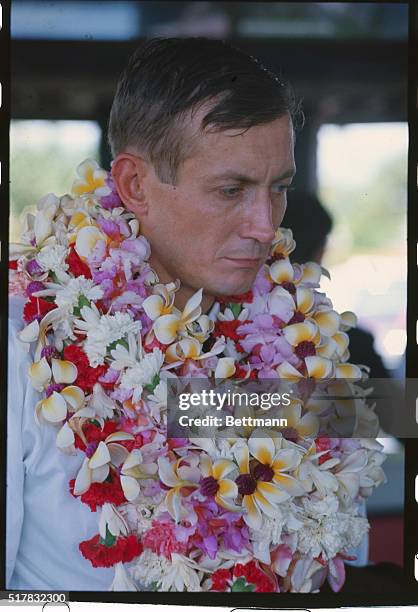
184,293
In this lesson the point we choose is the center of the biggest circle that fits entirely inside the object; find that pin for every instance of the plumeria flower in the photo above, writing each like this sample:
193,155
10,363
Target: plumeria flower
99,406
168,326
348,320
267,484
99,457
283,244
372,474
134,468
90,179
290,276
305,426
80,218
215,484
201,328
61,394
86,240
162,301
190,348
327,321
182,474
348,472
38,229
348,370
311,273
313,474
306,340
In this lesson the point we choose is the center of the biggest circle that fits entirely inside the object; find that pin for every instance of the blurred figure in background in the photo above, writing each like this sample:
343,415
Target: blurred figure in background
311,224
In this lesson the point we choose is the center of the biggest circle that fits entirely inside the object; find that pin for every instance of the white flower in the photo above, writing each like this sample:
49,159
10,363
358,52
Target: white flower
158,400
122,581
142,373
52,257
181,575
331,534
101,403
103,330
68,296
112,520
150,567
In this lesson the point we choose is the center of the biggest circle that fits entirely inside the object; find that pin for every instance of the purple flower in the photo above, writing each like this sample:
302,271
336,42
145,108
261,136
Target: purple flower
49,351
33,268
112,200
261,284
109,227
139,246
97,255
34,286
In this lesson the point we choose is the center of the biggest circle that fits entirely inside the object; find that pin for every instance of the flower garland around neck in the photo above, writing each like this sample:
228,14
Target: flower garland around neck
242,513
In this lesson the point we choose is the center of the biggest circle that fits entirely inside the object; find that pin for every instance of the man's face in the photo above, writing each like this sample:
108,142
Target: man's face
213,229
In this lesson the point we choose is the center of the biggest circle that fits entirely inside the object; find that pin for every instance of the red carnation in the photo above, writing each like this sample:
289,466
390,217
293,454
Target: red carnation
77,266
220,580
36,308
123,550
100,493
94,433
254,575
13,265
228,329
87,376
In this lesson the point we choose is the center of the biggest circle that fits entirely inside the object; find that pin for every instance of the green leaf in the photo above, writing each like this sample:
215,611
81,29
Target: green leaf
151,386
113,345
155,585
82,301
95,422
109,540
236,308
241,585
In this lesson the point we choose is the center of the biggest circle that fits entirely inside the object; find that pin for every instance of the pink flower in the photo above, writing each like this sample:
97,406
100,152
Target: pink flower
161,539
139,246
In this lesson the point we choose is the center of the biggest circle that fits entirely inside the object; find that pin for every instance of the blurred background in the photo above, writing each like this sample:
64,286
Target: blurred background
348,63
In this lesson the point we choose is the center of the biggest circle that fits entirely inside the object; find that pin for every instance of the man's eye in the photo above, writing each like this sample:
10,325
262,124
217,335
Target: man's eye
280,188
231,192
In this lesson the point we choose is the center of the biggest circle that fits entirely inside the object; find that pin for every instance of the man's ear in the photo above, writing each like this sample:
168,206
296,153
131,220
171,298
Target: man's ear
129,172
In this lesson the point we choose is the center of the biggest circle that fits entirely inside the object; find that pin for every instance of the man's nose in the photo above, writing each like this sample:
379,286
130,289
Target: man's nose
258,224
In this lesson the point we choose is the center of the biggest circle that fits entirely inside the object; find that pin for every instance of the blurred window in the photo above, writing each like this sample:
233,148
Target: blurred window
362,177
75,20
43,159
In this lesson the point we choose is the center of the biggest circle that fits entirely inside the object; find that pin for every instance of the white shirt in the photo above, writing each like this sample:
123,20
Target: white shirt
45,523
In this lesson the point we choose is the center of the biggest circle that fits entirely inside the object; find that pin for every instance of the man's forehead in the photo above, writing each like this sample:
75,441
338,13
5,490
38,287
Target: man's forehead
248,152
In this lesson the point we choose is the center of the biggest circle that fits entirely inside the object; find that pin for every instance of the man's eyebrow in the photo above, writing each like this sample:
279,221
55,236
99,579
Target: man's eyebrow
243,178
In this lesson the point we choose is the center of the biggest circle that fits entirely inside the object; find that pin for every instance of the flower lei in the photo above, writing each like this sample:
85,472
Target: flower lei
245,514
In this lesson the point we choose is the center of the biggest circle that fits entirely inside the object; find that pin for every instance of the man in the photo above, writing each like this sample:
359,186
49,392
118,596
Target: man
202,137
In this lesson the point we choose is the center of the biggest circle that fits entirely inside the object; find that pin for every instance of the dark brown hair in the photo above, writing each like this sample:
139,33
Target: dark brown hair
167,79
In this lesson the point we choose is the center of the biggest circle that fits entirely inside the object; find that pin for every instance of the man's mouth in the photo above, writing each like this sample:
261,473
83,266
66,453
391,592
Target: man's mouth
244,262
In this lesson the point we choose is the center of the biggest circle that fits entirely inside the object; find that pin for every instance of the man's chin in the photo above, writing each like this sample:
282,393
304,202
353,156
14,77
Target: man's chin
230,288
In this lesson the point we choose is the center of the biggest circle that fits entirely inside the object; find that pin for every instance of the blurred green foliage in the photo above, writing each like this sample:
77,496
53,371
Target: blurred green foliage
373,217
